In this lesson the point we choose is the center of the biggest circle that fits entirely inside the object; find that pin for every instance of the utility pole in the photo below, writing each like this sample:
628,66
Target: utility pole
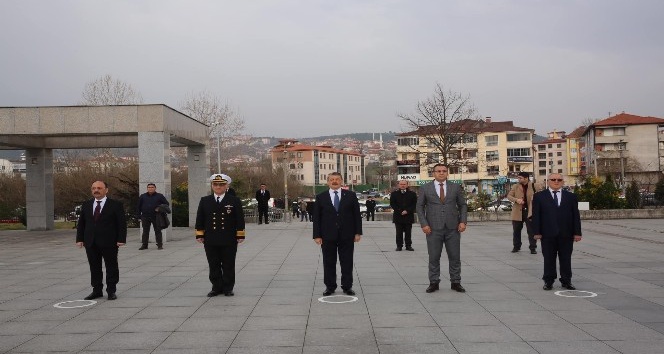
621,147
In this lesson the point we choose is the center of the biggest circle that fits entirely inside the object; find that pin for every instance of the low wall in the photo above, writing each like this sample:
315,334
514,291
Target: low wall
585,215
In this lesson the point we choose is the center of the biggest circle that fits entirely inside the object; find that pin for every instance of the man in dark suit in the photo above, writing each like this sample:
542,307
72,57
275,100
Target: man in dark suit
337,226
371,208
102,228
220,228
403,203
262,197
442,212
557,223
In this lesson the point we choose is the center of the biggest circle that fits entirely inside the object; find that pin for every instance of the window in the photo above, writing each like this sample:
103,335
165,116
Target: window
560,170
542,172
471,154
492,170
541,155
573,160
299,154
613,131
573,150
542,164
558,146
492,155
518,152
550,146
560,162
491,140
541,147
300,165
472,168
470,138
518,137
550,154
408,141
454,169
559,153
404,156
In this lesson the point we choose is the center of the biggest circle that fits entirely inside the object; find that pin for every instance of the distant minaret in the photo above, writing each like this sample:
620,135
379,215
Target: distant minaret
381,140
373,136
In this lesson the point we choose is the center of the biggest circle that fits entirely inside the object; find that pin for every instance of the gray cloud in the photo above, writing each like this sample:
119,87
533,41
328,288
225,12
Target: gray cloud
303,68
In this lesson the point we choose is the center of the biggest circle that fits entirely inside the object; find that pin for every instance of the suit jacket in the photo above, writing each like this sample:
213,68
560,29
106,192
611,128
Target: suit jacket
371,205
108,231
550,220
333,226
220,224
517,193
262,199
432,212
400,202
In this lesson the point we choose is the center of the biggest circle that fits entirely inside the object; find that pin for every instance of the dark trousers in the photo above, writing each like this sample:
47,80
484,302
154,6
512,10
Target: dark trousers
221,261
345,249
110,256
262,212
517,226
371,213
561,248
403,229
146,221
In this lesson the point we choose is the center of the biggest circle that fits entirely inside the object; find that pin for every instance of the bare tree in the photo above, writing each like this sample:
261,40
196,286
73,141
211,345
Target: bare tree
223,121
108,91
446,120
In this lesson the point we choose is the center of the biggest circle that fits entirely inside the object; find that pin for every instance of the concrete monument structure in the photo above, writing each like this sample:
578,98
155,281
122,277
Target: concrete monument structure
153,129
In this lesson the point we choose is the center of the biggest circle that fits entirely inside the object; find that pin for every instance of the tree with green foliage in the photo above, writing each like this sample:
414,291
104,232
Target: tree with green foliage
633,197
659,191
600,195
180,205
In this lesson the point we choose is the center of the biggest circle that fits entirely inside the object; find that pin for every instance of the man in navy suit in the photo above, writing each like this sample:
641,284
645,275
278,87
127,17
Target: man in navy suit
263,197
102,228
557,223
337,226
220,228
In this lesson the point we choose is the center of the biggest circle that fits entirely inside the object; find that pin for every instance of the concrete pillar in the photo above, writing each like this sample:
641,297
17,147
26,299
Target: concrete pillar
198,175
39,189
154,166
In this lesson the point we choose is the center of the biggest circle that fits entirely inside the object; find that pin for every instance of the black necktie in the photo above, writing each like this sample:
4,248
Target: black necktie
97,211
555,197
218,200
403,191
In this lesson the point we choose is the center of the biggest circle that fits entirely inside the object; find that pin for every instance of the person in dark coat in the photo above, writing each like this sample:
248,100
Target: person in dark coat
371,208
310,209
262,197
220,228
147,213
102,229
337,226
403,203
557,224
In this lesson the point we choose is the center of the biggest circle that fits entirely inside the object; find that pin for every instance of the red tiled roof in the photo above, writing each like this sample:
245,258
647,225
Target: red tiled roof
303,147
469,126
628,119
577,133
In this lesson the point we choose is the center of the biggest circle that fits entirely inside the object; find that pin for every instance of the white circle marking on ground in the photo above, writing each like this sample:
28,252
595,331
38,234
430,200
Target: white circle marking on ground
326,298
62,305
563,293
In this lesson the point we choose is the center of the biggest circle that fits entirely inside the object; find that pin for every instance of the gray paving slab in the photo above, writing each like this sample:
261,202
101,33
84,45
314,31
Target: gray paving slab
162,307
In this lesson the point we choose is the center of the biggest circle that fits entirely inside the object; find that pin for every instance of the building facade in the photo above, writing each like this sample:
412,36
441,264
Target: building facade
551,156
310,165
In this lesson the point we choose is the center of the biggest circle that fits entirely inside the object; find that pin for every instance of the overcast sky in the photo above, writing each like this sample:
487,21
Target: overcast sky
298,68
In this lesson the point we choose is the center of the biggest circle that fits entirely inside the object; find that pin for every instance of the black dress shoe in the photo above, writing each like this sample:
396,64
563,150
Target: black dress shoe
547,286
398,249
432,287
93,296
408,248
328,292
349,292
213,293
228,293
457,287
160,247
143,248
533,252
515,250
112,296
569,286
266,223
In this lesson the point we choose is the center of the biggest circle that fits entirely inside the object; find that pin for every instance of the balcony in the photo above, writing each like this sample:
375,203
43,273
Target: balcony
519,159
408,163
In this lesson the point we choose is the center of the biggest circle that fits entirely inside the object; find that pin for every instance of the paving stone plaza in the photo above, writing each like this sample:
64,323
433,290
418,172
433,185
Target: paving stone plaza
162,305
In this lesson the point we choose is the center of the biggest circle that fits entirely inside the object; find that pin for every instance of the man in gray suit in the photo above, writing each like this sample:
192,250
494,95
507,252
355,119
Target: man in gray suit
442,212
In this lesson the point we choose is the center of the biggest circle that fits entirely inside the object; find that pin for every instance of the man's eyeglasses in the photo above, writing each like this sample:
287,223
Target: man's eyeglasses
555,179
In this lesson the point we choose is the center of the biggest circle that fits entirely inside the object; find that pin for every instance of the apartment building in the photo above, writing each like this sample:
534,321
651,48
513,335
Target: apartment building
551,156
627,147
487,157
576,155
312,164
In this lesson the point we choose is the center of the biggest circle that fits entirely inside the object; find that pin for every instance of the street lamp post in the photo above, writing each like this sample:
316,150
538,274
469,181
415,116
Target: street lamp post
285,183
215,126
621,147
